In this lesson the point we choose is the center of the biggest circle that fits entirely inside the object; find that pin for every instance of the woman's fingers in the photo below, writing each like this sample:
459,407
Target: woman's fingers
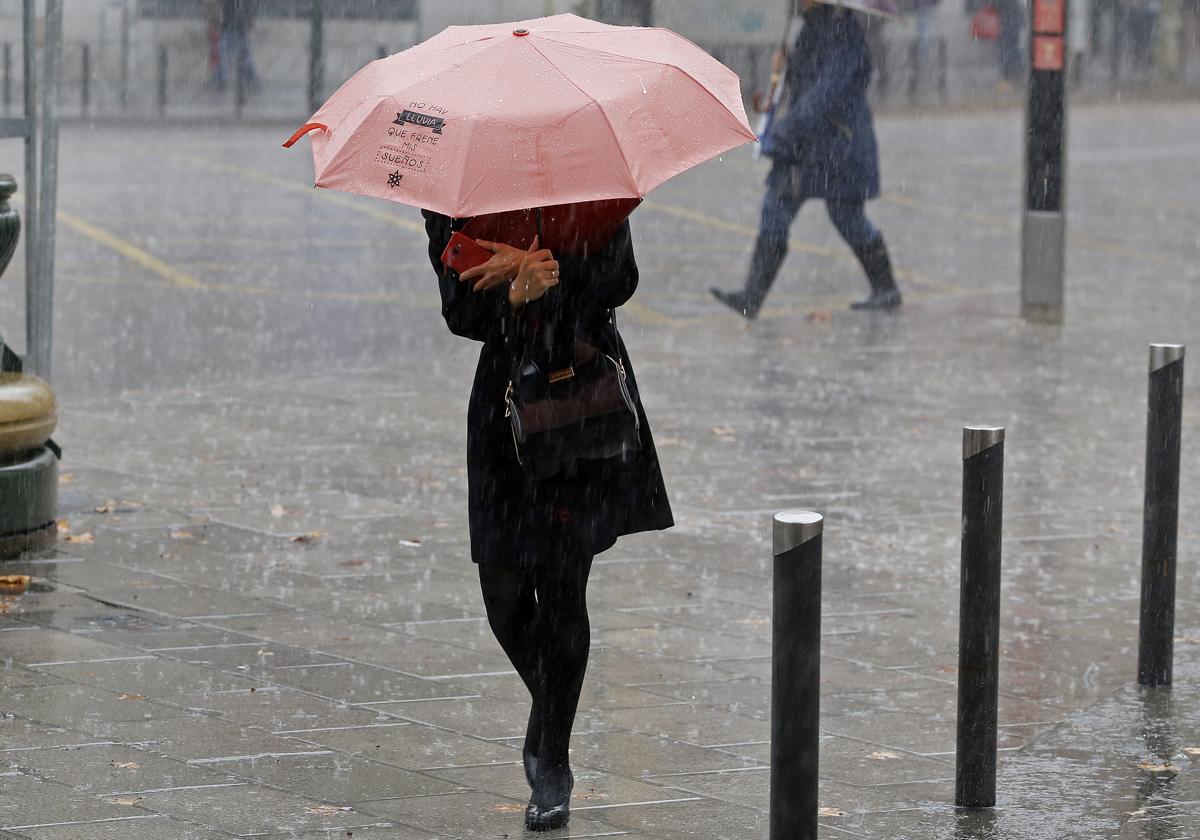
494,247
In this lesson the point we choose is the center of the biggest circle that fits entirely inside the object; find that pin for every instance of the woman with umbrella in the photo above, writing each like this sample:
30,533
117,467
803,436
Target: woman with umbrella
534,541
823,146
516,121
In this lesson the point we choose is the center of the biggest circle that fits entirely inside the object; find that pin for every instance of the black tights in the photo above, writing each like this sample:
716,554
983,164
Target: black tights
540,618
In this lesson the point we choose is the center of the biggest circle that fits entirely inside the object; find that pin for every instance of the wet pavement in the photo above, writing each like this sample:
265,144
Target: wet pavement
262,621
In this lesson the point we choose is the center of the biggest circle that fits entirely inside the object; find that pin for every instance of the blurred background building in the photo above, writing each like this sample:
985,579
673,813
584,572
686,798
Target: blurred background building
161,57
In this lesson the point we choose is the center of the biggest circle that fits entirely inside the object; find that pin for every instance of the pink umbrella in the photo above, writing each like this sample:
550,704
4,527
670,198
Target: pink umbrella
556,110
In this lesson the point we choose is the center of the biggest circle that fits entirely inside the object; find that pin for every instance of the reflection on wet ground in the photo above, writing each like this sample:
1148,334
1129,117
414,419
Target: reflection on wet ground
263,622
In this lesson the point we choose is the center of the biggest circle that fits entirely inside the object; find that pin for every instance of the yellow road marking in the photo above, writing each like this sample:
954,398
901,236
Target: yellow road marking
131,252
280,183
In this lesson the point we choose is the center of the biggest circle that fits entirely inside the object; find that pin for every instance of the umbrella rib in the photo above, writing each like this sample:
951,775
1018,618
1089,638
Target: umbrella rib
611,130
698,83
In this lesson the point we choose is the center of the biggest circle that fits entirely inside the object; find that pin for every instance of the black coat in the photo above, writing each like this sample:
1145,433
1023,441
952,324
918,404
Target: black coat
826,129
512,519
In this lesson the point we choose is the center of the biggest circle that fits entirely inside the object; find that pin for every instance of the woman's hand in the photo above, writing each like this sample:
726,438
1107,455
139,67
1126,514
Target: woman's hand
498,270
538,273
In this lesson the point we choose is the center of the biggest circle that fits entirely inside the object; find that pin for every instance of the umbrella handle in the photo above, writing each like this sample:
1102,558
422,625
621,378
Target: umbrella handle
301,131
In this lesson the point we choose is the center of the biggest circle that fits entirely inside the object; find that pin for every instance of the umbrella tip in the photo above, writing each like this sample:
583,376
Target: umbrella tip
520,32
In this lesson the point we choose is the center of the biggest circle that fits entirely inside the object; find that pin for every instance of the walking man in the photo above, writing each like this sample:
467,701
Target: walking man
822,147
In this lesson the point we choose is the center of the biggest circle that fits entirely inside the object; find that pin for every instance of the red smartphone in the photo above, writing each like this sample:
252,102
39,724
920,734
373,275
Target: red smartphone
463,252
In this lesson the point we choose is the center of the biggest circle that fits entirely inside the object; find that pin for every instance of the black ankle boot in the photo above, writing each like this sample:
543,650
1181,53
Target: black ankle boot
549,816
878,266
738,301
764,266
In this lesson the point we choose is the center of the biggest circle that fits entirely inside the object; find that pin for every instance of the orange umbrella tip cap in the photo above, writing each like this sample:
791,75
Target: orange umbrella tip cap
520,33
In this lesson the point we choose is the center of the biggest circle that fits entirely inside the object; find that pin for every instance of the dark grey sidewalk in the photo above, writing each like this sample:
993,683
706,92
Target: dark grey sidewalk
262,621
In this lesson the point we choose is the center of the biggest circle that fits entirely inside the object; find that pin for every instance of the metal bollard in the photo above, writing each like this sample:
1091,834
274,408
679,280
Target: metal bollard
795,674
979,616
1156,626
943,71
85,79
316,56
7,77
162,79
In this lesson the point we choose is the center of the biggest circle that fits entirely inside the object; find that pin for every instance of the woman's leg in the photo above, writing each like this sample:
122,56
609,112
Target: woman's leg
867,243
781,203
564,636
508,596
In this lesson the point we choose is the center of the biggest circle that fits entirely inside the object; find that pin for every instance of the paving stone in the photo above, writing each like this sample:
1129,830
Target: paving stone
477,815
412,746
336,778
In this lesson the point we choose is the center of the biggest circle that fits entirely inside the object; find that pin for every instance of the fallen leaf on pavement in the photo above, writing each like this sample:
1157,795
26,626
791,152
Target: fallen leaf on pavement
81,539
722,431
121,800
830,812
1158,768
182,535
328,810
66,478
125,765
819,316
410,543
118,505
14,584
131,697
508,808
264,652
1139,812
279,511
883,755
311,536
63,526
1192,752
353,563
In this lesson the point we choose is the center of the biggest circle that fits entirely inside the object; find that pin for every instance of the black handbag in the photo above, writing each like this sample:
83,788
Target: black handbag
575,412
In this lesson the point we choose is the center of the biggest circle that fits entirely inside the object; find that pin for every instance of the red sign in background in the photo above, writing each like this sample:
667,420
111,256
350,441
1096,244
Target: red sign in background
1047,52
1049,16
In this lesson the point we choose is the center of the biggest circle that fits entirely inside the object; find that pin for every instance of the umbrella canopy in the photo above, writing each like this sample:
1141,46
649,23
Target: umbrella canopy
556,110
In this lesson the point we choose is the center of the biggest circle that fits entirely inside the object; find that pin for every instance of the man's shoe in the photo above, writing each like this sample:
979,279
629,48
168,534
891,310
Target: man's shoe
881,300
738,301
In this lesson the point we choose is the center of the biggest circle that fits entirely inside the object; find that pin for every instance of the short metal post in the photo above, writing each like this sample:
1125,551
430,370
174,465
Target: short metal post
943,71
7,77
240,80
125,49
1164,420
979,616
915,68
795,674
85,79
162,80
316,56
